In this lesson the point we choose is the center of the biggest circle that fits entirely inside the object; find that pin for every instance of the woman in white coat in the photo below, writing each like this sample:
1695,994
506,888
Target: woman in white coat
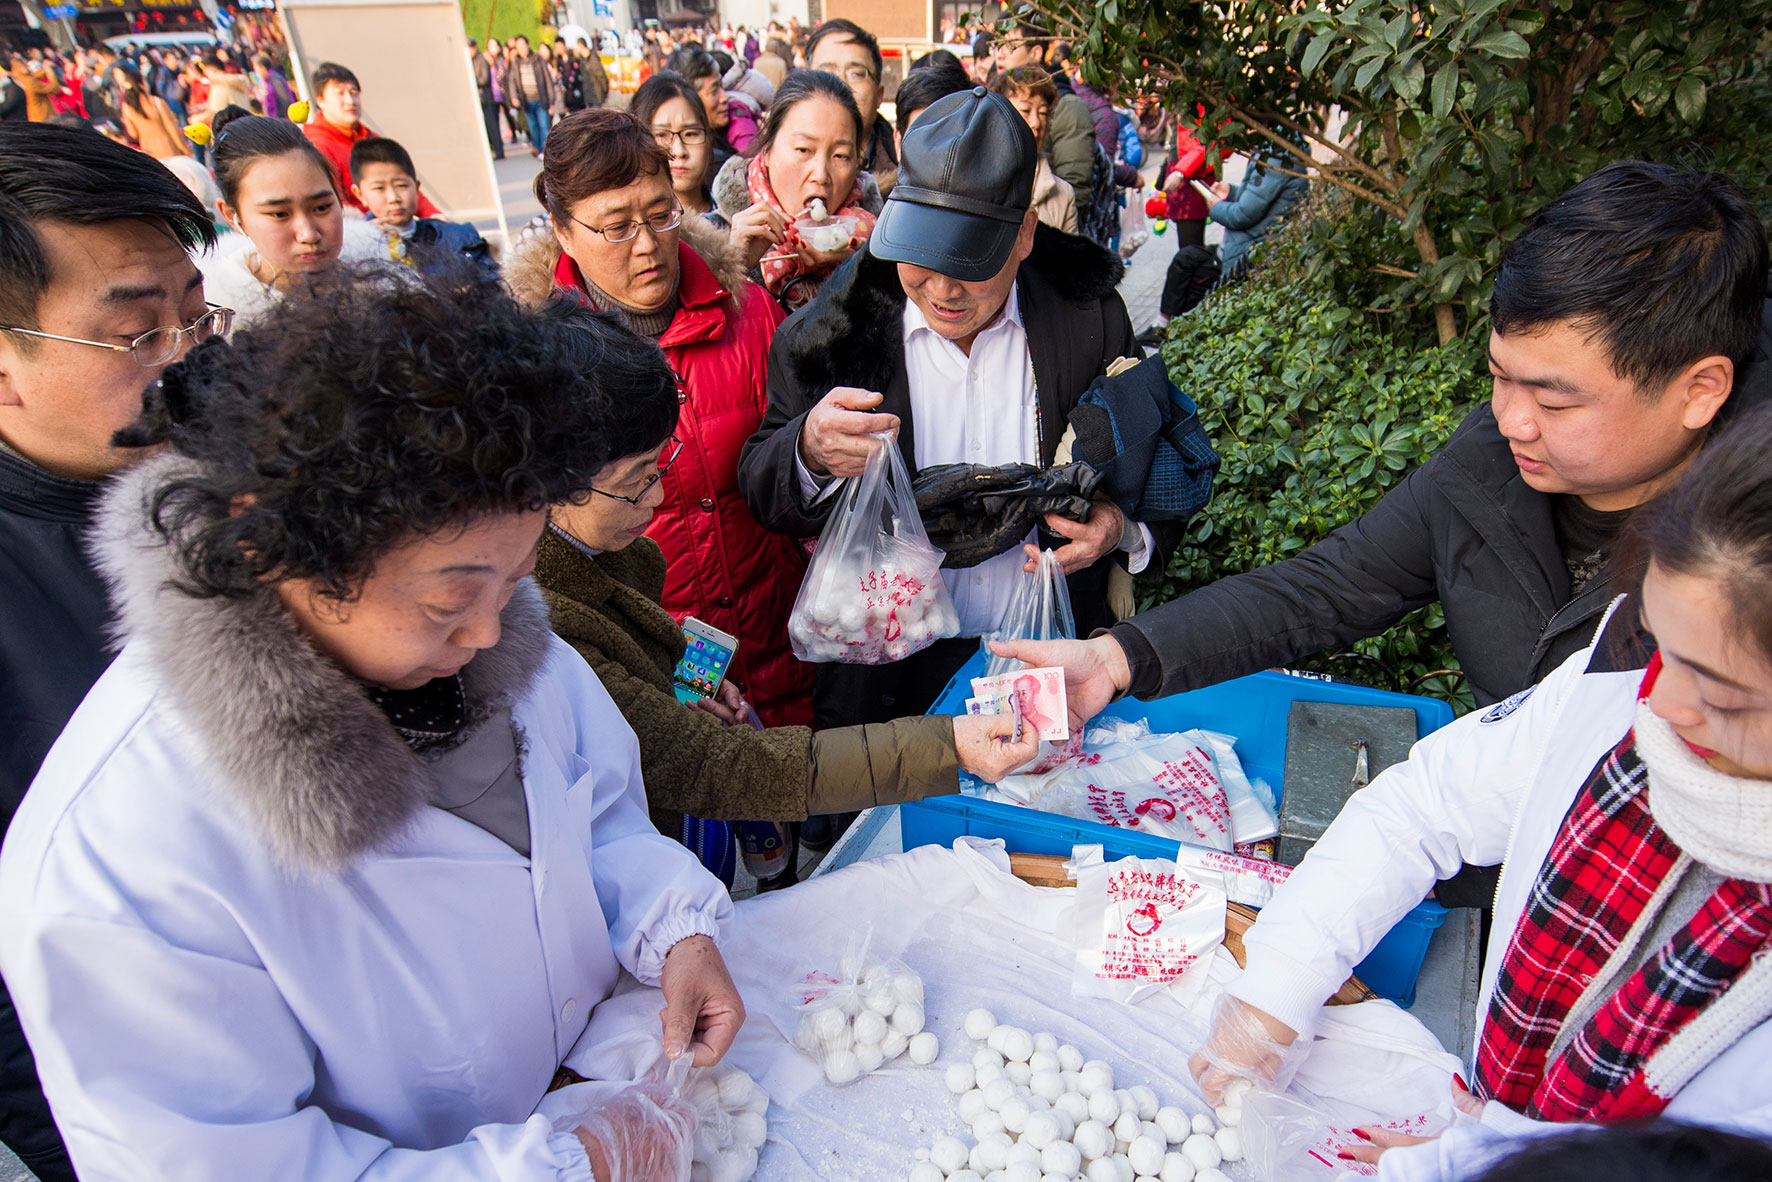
326,874
1628,974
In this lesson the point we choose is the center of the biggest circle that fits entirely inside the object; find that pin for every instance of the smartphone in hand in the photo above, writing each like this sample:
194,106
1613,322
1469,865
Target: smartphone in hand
704,661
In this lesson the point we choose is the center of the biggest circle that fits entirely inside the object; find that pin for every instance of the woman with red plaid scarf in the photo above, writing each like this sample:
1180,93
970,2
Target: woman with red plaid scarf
1627,975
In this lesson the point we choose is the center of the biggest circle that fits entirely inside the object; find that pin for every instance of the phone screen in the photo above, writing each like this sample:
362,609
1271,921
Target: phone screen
704,663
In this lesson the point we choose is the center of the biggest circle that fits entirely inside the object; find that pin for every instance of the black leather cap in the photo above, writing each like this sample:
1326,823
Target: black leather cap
964,184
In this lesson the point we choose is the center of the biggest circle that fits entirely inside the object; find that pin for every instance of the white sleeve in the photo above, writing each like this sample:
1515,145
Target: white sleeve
153,1054
652,890
1453,801
1137,543
812,488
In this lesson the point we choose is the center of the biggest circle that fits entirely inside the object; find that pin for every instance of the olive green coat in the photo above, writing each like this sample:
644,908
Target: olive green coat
608,608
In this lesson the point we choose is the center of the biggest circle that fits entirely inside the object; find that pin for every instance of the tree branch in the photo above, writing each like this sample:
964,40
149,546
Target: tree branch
1394,272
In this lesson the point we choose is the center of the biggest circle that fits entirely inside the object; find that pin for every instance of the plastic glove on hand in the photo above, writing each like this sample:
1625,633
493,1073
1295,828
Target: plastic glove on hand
646,1134
1245,1044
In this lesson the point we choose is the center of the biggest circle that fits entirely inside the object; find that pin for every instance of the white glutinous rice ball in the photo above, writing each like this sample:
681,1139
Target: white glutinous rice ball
735,1089
1093,1139
750,1130
1175,1124
1021,1153
985,1057
1128,1127
1127,1103
850,619
735,1166
1019,1073
907,1019
1069,1058
1021,1172
960,1078
971,1104
1018,1046
924,1048
1227,1116
1102,1169
758,1103
1044,1061
1073,1082
1150,1128
1202,1150
841,1067
994,1039
1074,1105
828,1024
879,1003
1146,1100
1203,1123
1177,1168
870,1027
894,1045
1046,1042
1040,1130
966,1175
948,1154
1212,1174
908,987
869,1055
991,1152
1230,1144
997,1093
986,1124
1235,1091
1015,1114
1104,1107
988,1075
1124,1165
925,1172
979,1024
1061,1158
1146,1155
1047,1085
1097,1077
1067,1128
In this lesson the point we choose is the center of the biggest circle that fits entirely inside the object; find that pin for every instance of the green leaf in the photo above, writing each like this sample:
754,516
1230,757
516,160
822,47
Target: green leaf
1689,97
1502,43
1313,53
1369,71
1445,90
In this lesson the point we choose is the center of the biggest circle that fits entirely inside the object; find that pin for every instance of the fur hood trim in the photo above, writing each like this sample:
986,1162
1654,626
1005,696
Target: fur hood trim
731,189
313,762
850,334
529,272
228,280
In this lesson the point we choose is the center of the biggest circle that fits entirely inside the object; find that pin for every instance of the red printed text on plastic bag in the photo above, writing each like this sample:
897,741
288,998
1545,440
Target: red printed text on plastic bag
1144,939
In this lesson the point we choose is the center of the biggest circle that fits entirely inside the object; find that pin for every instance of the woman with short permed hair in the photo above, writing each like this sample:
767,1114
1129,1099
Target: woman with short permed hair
327,873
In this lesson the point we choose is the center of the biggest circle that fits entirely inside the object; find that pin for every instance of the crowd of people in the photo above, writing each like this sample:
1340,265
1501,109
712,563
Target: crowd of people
347,562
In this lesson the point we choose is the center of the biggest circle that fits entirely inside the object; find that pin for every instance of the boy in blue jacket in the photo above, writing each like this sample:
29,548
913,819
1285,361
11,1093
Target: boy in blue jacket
383,179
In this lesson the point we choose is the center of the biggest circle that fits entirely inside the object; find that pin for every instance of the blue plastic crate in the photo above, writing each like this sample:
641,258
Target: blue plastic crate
1255,709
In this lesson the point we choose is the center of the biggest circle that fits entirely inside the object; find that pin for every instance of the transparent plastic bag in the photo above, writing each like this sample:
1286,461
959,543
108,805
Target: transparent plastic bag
862,1017
873,592
731,1125
1039,609
647,1131
1140,925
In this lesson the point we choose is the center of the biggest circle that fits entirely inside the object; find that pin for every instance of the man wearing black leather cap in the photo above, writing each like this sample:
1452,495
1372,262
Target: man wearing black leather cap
973,330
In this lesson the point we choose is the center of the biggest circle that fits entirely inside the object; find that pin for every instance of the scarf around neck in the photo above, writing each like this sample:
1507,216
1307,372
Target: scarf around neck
787,277
1602,886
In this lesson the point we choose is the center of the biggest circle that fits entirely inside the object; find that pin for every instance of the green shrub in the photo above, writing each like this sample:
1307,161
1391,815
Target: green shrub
1315,413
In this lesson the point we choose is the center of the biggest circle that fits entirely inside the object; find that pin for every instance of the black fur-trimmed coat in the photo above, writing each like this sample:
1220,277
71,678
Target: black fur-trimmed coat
852,334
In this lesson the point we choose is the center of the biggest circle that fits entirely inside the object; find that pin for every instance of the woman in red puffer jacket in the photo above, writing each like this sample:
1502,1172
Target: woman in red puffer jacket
1187,206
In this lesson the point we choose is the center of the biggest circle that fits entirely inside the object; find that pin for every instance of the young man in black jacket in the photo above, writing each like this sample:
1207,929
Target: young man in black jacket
1626,318
98,294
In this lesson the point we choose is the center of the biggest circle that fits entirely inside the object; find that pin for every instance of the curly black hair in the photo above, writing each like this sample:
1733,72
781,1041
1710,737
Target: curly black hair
370,412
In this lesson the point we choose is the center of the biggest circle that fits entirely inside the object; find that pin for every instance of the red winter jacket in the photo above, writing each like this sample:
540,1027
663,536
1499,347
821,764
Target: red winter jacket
722,567
1186,204
335,143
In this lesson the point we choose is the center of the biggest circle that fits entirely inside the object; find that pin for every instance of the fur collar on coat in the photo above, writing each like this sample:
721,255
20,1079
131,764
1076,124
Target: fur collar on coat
300,746
529,272
851,334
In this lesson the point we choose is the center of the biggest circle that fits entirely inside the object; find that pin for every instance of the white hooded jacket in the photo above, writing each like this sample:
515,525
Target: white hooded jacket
1492,787
243,944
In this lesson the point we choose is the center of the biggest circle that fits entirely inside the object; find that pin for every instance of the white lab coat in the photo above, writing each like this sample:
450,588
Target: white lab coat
1492,787
199,1011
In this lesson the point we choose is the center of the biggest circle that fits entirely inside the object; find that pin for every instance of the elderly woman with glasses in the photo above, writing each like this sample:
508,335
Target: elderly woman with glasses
603,579
623,243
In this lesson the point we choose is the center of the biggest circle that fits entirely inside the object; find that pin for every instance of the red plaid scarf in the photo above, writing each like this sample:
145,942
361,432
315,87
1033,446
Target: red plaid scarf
1605,865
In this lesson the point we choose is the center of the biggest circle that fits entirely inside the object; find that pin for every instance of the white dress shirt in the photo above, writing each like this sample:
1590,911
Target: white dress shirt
977,408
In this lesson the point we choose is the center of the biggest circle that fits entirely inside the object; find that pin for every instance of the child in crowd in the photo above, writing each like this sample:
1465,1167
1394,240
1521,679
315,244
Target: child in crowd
383,180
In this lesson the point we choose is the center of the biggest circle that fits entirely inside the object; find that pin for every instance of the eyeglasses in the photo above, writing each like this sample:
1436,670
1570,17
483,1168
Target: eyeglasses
664,465
157,346
658,223
691,137
853,74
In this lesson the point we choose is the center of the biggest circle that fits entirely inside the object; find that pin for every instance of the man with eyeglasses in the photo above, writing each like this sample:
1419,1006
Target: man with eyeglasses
1070,129
849,51
98,294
